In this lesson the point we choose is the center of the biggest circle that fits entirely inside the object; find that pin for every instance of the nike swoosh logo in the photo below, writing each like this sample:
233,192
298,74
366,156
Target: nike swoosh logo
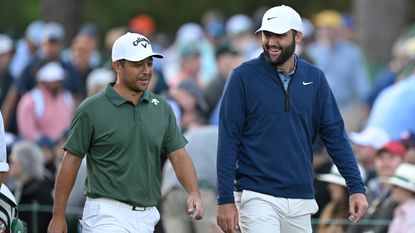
144,45
307,83
269,18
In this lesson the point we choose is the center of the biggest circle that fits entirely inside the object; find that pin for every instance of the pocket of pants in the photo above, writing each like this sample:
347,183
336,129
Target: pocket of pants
90,215
237,198
246,195
156,215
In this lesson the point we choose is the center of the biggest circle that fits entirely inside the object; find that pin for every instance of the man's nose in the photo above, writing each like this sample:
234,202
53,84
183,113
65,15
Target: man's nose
273,40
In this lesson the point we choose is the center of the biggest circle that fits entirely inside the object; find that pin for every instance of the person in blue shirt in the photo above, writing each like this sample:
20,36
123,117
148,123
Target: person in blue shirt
272,110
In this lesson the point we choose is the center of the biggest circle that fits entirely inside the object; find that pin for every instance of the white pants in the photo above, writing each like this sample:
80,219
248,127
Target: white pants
102,215
267,214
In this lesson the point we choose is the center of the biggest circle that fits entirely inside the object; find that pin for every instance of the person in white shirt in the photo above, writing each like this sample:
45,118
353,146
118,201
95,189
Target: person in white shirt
4,166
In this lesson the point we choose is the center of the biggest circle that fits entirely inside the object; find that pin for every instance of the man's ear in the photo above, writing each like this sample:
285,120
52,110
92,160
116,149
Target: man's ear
116,66
298,37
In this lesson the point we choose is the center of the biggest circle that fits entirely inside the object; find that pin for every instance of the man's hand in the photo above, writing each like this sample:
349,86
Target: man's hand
195,206
227,217
57,225
357,206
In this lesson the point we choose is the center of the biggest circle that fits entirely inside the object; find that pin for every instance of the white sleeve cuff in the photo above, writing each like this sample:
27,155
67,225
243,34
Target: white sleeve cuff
4,167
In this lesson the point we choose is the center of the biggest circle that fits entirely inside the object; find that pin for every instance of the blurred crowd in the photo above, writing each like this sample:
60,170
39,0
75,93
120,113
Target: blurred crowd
42,82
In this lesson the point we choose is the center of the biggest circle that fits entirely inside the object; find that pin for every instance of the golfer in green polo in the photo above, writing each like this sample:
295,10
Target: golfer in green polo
122,131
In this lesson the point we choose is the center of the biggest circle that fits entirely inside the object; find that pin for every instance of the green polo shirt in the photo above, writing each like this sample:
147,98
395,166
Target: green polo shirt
123,143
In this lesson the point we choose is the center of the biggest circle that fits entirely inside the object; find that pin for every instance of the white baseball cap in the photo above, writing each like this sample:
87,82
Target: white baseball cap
6,44
132,47
371,136
53,31
281,19
51,72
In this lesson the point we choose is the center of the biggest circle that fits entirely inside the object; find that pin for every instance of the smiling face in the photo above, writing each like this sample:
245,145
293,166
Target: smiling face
280,47
134,76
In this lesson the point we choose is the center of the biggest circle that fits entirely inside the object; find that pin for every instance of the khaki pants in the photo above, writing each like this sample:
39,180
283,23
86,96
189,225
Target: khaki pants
174,213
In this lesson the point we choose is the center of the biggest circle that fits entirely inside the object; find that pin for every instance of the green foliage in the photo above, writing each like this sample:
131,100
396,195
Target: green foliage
170,14
15,15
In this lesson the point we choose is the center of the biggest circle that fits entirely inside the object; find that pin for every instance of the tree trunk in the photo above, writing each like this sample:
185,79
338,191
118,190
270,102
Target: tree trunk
66,12
379,24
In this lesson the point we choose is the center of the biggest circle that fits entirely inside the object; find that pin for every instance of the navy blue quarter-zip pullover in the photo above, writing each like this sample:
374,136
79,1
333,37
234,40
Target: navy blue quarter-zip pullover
266,132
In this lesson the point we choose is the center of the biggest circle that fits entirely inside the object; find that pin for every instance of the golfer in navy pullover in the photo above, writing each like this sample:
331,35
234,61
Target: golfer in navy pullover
272,110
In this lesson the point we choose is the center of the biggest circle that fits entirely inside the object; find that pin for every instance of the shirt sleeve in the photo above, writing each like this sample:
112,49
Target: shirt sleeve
333,134
4,166
80,133
231,121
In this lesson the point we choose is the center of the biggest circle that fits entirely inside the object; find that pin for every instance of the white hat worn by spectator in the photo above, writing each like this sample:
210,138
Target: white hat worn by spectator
99,77
239,24
132,47
189,33
281,19
6,44
335,177
371,136
53,31
404,177
51,72
307,27
34,32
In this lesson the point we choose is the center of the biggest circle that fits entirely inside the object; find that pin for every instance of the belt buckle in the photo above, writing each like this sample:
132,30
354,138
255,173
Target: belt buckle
138,208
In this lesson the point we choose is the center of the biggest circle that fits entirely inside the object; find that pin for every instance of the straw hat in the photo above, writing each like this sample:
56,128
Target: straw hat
404,177
335,177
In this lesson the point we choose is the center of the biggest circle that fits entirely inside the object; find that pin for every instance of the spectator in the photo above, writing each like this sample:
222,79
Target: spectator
403,192
6,52
394,108
322,164
190,34
381,207
27,48
6,80
98,79
189,96
344,66
365,144
190,65
53,35
408,140
227,58
336,212
239,33
403,54
83,54
4,166
50,161
202,146
47,109
27,168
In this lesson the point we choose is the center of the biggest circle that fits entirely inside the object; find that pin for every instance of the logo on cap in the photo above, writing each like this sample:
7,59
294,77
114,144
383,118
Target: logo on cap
140,39
269,18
